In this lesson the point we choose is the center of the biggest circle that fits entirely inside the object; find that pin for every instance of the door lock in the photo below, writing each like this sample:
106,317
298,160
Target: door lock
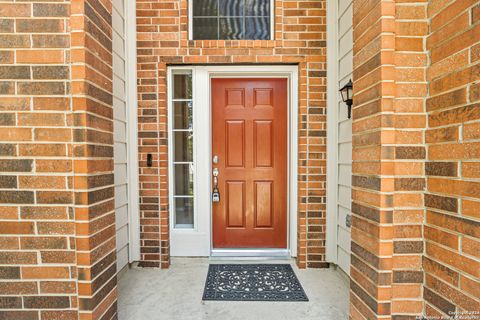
215,196
216,193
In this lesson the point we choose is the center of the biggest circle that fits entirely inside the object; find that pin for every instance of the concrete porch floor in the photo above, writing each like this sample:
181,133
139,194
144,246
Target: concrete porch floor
176,293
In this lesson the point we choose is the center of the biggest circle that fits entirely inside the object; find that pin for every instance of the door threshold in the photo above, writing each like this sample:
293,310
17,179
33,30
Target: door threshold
250,254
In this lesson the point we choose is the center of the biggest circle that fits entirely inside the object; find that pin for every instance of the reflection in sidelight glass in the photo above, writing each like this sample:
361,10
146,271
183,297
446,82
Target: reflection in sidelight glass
183,179
182,115
182,138
183,146
183,213
182,86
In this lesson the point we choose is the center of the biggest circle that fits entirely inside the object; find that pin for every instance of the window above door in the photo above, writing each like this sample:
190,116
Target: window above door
231,19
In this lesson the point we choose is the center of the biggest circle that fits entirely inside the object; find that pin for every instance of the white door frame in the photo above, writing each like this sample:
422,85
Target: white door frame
332,105
132,132
198,241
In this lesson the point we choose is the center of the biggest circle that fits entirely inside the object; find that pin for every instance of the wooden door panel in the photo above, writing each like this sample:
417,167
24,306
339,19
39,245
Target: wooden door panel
235,204
249,136
264,199
235,98
235,143
263,143
263,97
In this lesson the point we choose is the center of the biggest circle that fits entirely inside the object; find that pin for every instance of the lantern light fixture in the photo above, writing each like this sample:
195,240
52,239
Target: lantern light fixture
347,96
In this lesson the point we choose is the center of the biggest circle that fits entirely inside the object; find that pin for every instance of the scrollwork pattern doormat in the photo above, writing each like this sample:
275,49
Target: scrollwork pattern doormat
253,282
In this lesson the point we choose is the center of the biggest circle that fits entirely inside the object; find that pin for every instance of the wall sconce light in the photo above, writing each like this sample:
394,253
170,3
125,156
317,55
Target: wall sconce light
347,96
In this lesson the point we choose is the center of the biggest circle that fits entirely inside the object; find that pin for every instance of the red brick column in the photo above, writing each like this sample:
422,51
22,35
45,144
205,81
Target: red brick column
153,212
410,59
57,258
373,159
416,68
37,230
452,229
92,152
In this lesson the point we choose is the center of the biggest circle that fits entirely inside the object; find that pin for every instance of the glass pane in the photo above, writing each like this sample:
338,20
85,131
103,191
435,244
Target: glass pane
205,7
184,180
183,146
231,28
257,7
182,86
184,212
182,112
231,7
205,28
257,28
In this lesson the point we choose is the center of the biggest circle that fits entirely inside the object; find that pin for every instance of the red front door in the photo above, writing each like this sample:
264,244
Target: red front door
249,138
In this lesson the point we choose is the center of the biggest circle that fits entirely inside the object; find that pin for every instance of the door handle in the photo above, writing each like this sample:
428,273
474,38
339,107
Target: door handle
215,194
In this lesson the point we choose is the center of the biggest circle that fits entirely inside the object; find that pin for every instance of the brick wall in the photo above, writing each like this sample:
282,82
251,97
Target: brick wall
37,242
56,199
390,62
415,145
92,152
373,157
415,130
300,38
410,61
452,229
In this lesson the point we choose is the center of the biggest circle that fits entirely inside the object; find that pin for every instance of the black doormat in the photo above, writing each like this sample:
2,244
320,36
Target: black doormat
253,282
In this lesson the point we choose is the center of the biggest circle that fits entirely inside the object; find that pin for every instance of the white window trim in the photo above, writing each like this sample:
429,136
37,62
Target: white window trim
198,241
132,131
190,20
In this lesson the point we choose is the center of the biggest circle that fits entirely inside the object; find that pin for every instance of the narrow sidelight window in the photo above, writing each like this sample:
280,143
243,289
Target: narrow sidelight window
231,19
182,137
